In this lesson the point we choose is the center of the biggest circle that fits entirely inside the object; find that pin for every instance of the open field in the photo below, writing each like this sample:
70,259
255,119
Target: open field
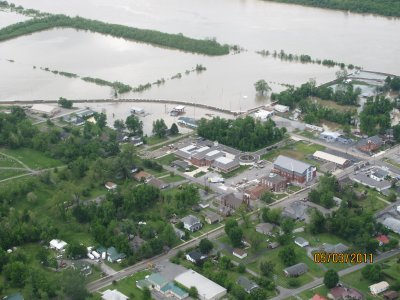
4,174
6,162
298,150
32,158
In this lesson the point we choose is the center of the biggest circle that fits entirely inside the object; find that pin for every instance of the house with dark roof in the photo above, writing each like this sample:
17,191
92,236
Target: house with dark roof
255,192
344,293
211,217
296,270
181,164
247,284
338,248
370,144
114,256
157,183
231,201
142,176
391,295
191,223
274,182
196,257
297,210
293,169
265,228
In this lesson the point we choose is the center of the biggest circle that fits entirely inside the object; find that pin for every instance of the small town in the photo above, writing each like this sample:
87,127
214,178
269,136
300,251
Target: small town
295,195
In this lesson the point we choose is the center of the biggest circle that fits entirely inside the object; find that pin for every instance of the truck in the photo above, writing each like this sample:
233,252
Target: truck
216,180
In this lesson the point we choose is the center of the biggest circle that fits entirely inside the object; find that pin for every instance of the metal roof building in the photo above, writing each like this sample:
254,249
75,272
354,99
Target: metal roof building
339,161
392,224
207,289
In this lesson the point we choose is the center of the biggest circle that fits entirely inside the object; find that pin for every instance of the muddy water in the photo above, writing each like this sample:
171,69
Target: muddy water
368,41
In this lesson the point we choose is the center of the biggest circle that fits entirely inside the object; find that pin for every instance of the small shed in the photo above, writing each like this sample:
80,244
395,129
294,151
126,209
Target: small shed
239,253
301,242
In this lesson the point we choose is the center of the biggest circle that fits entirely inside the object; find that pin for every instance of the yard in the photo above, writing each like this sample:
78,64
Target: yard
166,159
299,150
32,158
391,270
4,174
235,172
127,286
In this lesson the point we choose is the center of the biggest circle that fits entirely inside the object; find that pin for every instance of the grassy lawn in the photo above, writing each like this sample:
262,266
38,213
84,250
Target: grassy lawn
127,286
321,290
4,174
32,158
392,162
390,267
294,188
199,174
298,150
7,162
152,140
235,172
167,159
171,179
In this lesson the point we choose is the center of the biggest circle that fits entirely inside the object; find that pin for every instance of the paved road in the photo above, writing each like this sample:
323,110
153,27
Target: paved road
285,293
103,282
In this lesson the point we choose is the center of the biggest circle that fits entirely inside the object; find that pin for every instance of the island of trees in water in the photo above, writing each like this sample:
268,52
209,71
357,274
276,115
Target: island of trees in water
305,59
173,41
390,8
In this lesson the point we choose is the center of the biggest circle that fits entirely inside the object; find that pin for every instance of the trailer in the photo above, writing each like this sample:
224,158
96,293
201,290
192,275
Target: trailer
96,255
103,255
90,256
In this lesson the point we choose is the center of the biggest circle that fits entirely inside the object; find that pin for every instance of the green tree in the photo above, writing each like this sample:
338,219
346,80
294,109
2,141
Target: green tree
317,222
159,128
205,246
101,120
230,223
287,226
262,87
256,241
168,236
267,268
267,197
119,125
193,292
392,197
288,255
235,235
372,272
16,272
331,278
75,250
134,125
146,294
64,103
174,130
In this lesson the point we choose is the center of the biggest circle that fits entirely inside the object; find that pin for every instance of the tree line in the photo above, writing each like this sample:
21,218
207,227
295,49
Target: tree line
390,8
305,59
245,134
173,41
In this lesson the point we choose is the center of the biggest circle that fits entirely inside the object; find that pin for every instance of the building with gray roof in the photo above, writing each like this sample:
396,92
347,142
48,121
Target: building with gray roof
247,284
296,270
293,169
338,248
392,224
191,223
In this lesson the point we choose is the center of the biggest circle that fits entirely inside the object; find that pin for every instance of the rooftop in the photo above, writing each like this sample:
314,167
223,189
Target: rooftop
205,287
113,295
190,219
157,279
330,157
291,164
297,269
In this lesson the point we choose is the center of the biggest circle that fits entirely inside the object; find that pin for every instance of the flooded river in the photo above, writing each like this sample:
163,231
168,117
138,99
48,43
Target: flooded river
369,41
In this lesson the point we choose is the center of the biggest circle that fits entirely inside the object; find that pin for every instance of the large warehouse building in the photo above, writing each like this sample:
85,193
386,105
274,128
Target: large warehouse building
337,160
207,289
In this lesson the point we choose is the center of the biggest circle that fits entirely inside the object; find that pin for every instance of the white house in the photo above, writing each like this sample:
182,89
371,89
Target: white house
58,245
239,253
379,287
263,114
301,242
191,223
110,186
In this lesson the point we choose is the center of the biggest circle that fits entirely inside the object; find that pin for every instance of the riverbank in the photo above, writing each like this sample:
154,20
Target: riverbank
173,41
388,8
